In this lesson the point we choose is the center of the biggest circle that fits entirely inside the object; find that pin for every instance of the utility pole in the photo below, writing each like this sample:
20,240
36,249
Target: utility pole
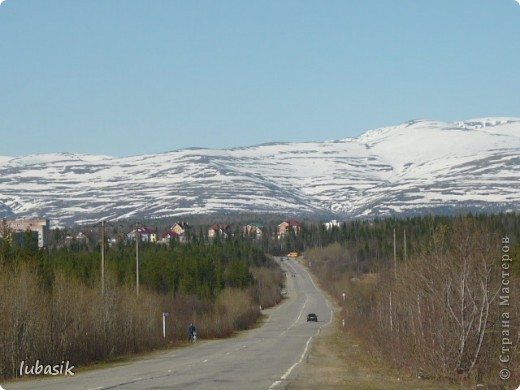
137,258
395,257
103,258
103,239
405,247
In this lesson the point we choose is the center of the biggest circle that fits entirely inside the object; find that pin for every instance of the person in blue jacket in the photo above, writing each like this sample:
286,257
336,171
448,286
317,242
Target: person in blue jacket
191,331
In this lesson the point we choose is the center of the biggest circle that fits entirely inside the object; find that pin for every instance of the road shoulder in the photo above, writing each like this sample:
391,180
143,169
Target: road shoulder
337,360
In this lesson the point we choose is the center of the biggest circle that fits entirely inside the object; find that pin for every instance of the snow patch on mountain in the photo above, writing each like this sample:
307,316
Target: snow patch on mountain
414,167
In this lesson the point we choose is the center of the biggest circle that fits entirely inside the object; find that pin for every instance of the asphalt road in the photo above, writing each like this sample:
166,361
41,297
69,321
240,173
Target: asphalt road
264,358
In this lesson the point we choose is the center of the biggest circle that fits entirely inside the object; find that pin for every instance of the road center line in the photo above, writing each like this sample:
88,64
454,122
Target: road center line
301,312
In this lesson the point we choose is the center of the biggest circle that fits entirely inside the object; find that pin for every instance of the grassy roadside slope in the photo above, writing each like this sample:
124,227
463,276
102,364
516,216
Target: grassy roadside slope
339,360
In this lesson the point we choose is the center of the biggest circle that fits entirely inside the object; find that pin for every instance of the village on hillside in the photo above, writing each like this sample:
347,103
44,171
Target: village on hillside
180,231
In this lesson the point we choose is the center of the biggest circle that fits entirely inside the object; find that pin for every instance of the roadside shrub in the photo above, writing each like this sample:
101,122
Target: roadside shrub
438,313
73,321
238,306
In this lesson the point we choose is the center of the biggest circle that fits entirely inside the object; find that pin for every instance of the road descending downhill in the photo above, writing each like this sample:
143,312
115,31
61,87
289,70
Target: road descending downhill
266,357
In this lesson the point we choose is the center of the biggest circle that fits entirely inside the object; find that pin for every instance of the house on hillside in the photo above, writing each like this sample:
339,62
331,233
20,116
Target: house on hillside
253,229
332,223
180,228
168,236
144,235
84,236
289,225
219,230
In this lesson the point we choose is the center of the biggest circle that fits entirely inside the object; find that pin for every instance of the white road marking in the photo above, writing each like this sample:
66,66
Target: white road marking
288,372
301,312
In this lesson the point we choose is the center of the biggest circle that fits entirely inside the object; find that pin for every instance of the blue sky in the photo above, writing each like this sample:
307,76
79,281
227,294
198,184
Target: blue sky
125,77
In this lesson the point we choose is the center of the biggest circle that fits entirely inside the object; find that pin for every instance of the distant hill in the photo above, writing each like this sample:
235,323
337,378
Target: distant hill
415,167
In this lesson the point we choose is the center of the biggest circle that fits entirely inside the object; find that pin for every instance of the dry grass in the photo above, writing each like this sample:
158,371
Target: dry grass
74,322
338,360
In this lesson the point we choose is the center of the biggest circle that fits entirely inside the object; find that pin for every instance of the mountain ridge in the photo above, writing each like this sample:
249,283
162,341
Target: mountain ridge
414,167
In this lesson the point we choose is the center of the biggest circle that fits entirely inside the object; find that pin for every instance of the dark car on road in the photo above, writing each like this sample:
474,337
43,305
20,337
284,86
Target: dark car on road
312,317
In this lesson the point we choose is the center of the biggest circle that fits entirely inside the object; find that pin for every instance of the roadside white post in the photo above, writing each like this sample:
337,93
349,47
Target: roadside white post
343,322
344,295
164,315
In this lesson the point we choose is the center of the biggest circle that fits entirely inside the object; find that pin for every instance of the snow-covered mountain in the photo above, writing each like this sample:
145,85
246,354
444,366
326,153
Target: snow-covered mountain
411,168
